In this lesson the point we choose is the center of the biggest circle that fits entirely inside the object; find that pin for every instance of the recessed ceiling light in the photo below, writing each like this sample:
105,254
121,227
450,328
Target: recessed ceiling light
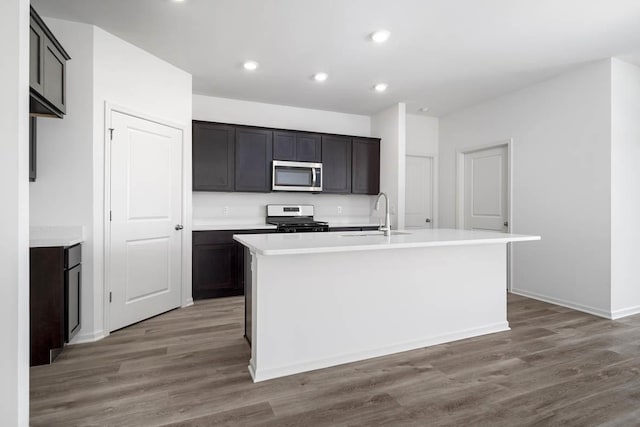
380,87
250,65
380,36
320,77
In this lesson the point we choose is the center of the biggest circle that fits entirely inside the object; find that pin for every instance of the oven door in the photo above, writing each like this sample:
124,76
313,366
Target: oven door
296,176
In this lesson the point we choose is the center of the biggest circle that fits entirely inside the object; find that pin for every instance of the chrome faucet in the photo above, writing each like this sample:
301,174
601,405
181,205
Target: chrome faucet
387,221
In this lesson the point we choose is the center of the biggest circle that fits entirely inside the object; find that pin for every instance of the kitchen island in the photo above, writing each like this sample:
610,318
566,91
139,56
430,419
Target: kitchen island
322,299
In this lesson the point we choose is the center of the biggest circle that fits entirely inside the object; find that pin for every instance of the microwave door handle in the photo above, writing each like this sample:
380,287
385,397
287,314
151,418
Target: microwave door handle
313,175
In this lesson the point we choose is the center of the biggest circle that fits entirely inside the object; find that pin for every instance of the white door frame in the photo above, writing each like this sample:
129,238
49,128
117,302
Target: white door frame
185,296
434,186
460,153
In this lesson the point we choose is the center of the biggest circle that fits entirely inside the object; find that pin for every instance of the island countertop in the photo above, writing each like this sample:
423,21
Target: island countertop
309,243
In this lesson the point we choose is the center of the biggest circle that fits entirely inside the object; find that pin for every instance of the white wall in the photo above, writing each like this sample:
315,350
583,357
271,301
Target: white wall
14,224
71,169
127,76
422,135
625,188
224,110
248,208
390,125
561,181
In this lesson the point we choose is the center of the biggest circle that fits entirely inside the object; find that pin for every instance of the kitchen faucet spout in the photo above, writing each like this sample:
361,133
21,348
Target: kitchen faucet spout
386,228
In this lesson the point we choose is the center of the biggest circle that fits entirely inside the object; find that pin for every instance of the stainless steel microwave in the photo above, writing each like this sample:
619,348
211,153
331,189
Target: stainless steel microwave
296,176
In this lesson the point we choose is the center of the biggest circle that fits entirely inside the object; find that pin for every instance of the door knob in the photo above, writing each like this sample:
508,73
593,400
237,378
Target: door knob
179,227
428,220
506,223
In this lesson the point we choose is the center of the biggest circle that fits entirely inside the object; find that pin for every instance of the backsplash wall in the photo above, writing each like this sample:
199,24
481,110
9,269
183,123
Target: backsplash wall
250,208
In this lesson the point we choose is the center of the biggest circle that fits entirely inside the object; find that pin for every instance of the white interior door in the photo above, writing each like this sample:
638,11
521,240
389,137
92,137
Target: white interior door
485,189
419,192
146,203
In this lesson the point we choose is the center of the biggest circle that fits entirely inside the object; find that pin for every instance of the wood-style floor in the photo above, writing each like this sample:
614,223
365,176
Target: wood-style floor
189,368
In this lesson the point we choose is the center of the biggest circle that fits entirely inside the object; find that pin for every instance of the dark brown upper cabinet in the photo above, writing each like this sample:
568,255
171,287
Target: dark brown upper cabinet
213,156
336,164
365,166
297,146
47,71
254,152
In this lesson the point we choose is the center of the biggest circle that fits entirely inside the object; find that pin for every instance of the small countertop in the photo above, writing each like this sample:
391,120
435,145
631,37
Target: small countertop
309,243
204,225
58,236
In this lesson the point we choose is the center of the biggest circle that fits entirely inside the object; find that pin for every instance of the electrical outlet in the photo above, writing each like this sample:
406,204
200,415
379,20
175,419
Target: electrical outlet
225,211
339,209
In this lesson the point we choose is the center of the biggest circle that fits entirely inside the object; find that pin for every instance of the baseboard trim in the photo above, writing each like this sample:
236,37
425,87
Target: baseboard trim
266,374
83,338
564,303
624,312
187,303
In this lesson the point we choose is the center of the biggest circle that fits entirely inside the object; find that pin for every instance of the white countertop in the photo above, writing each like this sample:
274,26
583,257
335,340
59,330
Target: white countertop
58,236
308,243
212,226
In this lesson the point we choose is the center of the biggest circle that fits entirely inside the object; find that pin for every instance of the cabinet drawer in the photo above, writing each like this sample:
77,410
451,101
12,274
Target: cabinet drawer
72,256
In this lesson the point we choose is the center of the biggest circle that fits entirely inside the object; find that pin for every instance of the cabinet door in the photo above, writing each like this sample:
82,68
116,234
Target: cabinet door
297,146
54,76
36,66
215,270
46,304
219,263
72,285
213,157
254,152
33,146
336,164
365,166
308,147
284,145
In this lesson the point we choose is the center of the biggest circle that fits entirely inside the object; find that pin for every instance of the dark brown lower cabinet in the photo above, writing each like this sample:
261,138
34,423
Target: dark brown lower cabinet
54,300
218,263
367,228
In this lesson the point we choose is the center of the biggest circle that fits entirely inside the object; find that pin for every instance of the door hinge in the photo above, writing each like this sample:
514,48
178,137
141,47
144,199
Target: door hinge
110,216
111,134
109,296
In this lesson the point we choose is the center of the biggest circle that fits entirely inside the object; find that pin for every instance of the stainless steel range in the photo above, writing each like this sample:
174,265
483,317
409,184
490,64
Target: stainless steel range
294,219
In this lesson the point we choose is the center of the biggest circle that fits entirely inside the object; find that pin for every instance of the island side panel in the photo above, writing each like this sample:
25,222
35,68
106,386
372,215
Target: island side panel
318,310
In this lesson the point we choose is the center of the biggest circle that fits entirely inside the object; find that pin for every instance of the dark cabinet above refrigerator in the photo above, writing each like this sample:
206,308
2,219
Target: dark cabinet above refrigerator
47,71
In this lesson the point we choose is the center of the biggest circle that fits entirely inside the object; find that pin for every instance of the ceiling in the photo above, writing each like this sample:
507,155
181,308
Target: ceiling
442,54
